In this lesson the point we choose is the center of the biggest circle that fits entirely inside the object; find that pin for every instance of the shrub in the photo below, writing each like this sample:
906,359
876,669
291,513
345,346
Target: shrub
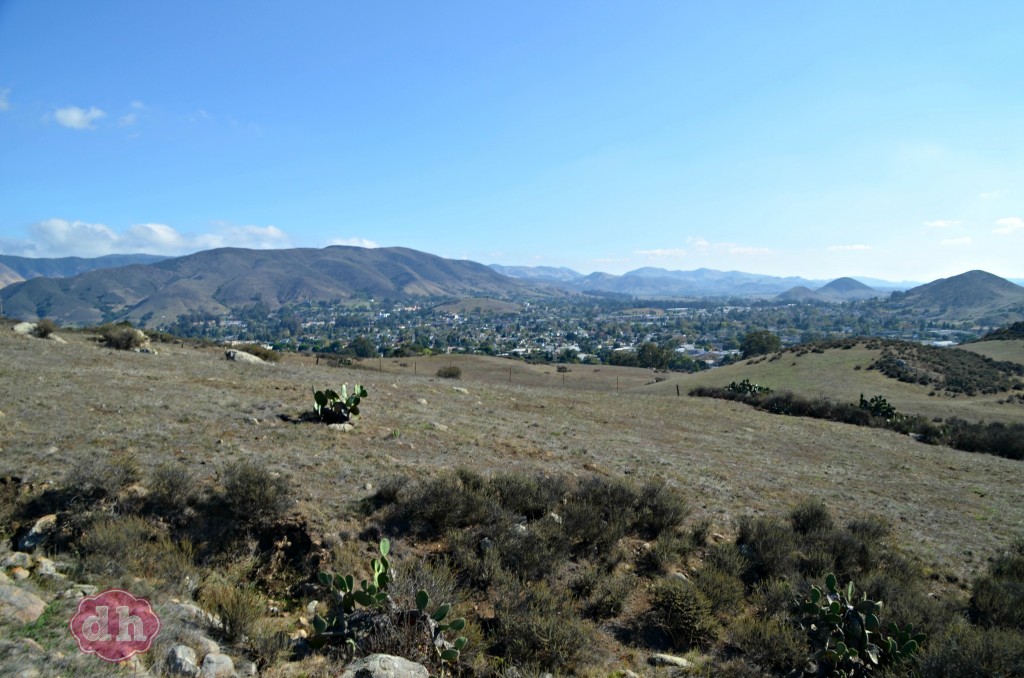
965,650
609,595
539,627
106,477
774,644
658,508
172,490
684,614
255,496
123,337
130,546
449,372
598,513
448,500
997,597
45,328
669,550
724,591
728,558
768,545
238,607
532,496
810,516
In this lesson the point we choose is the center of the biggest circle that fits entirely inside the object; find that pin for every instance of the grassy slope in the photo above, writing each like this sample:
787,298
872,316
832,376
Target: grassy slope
999,350
67,405
831,374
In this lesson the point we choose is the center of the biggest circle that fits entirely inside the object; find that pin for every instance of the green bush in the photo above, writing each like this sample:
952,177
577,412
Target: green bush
255,496
965,650
997,597
123,337
724,591
449,372
774,644
810,516
659,507
609,595
532,496
769,546
539,627
684,614
598,513
173,489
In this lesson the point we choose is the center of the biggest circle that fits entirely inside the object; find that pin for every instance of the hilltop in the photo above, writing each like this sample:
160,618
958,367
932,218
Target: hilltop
841,289
15,269
976,295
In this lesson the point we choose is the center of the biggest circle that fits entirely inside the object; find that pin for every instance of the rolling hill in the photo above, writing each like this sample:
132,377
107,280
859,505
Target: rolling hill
215,281
841,289
15,269
975,296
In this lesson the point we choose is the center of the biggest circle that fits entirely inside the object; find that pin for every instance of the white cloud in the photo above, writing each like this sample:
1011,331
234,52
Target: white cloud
942,223
848,248
699,243
663,253
954,242
77,118
1009,225
128,120
737,249
353,242
989,195
4,104
63,238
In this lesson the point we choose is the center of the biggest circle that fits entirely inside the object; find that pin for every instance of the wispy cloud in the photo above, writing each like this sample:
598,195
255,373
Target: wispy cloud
942,223
4,103
989,195
132,117
74,117
848,248
671,253
353,242
955,242
63,238
1009,225
702,245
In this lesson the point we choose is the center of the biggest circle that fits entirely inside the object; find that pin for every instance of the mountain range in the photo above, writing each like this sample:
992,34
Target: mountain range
148,289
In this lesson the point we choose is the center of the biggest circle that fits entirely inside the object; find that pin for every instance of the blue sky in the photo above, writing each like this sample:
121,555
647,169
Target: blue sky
818,139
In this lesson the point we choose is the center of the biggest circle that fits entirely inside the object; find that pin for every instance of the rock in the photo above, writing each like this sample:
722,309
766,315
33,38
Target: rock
20,605
217,666
207,646
79,591
243,357
47,568
555,517
20,573
344,428
27,673
438,427
422,401
39,534
32,646
668,660
181,661
25,328
384,666
4,579
55,339
17,559
244,667
459,389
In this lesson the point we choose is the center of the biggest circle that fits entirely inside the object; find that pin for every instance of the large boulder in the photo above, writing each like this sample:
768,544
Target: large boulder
17,604
384,666
242,357
39,534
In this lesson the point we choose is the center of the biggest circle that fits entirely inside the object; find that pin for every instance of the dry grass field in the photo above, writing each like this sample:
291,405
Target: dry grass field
1012,350
68,407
